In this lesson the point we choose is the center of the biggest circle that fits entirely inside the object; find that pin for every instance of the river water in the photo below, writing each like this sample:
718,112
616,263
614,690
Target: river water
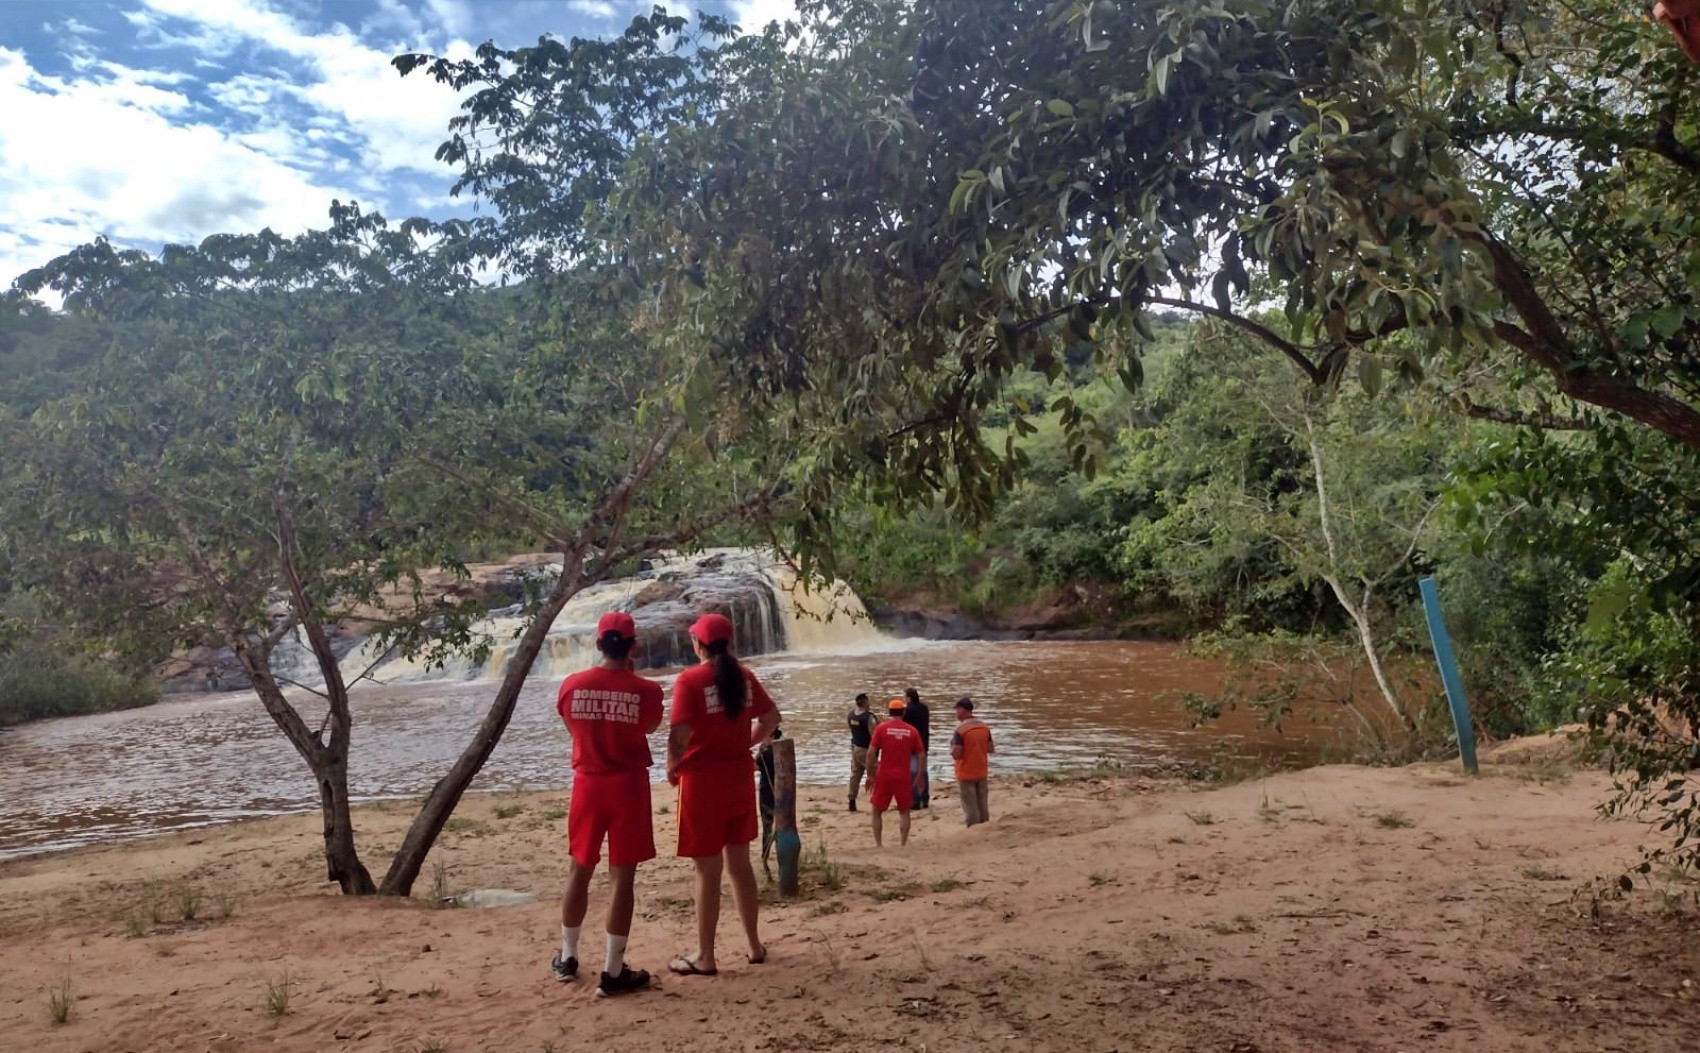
217,758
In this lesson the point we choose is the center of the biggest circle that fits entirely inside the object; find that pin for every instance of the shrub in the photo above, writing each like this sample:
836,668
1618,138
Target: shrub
37,683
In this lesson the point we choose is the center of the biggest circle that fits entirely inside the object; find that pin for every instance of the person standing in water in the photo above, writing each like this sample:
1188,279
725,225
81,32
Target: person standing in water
919,717
970,746
610,711
861,721
894,746
720,713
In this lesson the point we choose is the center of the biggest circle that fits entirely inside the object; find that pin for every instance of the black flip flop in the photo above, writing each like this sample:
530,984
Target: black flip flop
690,967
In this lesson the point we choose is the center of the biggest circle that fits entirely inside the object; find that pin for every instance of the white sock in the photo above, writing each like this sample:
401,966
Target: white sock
616,955
569,942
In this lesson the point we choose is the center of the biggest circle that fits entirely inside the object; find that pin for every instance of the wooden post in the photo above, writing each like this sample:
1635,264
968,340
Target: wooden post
785,814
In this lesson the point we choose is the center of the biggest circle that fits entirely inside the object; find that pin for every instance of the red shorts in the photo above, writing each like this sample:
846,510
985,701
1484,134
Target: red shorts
612,805
889,788
717,807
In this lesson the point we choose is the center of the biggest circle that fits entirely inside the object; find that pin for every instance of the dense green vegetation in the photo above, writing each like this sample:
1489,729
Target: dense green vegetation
39,680
1248,309
1205,507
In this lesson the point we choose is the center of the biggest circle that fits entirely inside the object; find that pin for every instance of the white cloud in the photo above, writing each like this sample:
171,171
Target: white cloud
753,16
72,26
456,16
254,117
137,168
397,123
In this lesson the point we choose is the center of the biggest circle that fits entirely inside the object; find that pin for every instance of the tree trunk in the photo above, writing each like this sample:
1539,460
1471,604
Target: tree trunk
329,760
1359,613
446,794
342,861
328,764
600,533
1543,339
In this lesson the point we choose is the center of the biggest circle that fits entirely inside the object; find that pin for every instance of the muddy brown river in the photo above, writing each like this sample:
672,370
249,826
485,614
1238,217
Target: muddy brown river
217,758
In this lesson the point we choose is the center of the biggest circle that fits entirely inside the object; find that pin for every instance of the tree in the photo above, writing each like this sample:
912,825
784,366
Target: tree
754,207
1481,176
281,432
927,197
1621,505
1456,171
1340,492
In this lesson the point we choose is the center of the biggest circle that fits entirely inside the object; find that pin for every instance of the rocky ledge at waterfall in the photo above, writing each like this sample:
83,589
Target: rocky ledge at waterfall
1072,612
665,597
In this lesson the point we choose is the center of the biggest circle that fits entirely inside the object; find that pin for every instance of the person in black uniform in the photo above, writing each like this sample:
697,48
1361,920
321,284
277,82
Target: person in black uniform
862,721
917,716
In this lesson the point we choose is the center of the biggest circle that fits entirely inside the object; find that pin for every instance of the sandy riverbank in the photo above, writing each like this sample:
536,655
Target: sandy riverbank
1340,908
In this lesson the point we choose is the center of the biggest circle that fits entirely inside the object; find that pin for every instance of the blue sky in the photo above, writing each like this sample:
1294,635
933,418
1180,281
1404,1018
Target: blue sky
154,121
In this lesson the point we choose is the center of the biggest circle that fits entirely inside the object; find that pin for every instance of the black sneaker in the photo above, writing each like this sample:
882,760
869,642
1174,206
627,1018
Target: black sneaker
629,980
852,804
565,971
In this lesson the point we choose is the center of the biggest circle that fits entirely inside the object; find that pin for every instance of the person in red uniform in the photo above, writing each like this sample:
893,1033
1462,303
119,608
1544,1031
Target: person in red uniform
720,713
892,749
610,712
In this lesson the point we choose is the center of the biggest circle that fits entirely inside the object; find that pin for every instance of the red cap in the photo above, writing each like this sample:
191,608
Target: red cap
712,628
617,622
896,705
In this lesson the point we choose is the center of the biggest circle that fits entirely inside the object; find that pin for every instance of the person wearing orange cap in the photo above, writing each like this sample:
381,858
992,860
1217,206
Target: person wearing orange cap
610,712
720,713
891,750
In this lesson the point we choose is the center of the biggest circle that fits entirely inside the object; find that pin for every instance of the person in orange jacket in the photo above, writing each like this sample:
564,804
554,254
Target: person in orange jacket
971,747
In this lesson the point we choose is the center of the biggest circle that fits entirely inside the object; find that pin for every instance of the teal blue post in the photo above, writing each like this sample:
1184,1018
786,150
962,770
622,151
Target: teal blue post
1449,673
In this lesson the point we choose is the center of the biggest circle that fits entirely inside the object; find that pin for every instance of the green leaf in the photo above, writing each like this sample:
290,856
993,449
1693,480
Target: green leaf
959,195
1160,74
1608,601
1133,375
1080,323
1060,107
1369,374
1667,321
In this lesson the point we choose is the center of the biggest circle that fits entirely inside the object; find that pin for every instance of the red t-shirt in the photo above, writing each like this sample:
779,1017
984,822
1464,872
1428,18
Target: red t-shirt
896,742
715,737
610,713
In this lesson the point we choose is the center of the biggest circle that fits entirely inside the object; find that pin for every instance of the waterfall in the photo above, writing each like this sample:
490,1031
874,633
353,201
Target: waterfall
769,609
829,618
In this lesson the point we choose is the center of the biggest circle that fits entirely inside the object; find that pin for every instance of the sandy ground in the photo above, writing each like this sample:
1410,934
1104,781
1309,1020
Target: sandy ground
1340,908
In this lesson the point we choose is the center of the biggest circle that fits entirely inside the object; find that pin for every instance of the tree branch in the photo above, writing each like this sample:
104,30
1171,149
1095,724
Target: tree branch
544,522
613,507
1263,333
1542,338
688,532
1544,419
336,693
1662,142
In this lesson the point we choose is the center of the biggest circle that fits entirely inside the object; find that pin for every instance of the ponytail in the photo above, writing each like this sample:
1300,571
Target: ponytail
729,682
